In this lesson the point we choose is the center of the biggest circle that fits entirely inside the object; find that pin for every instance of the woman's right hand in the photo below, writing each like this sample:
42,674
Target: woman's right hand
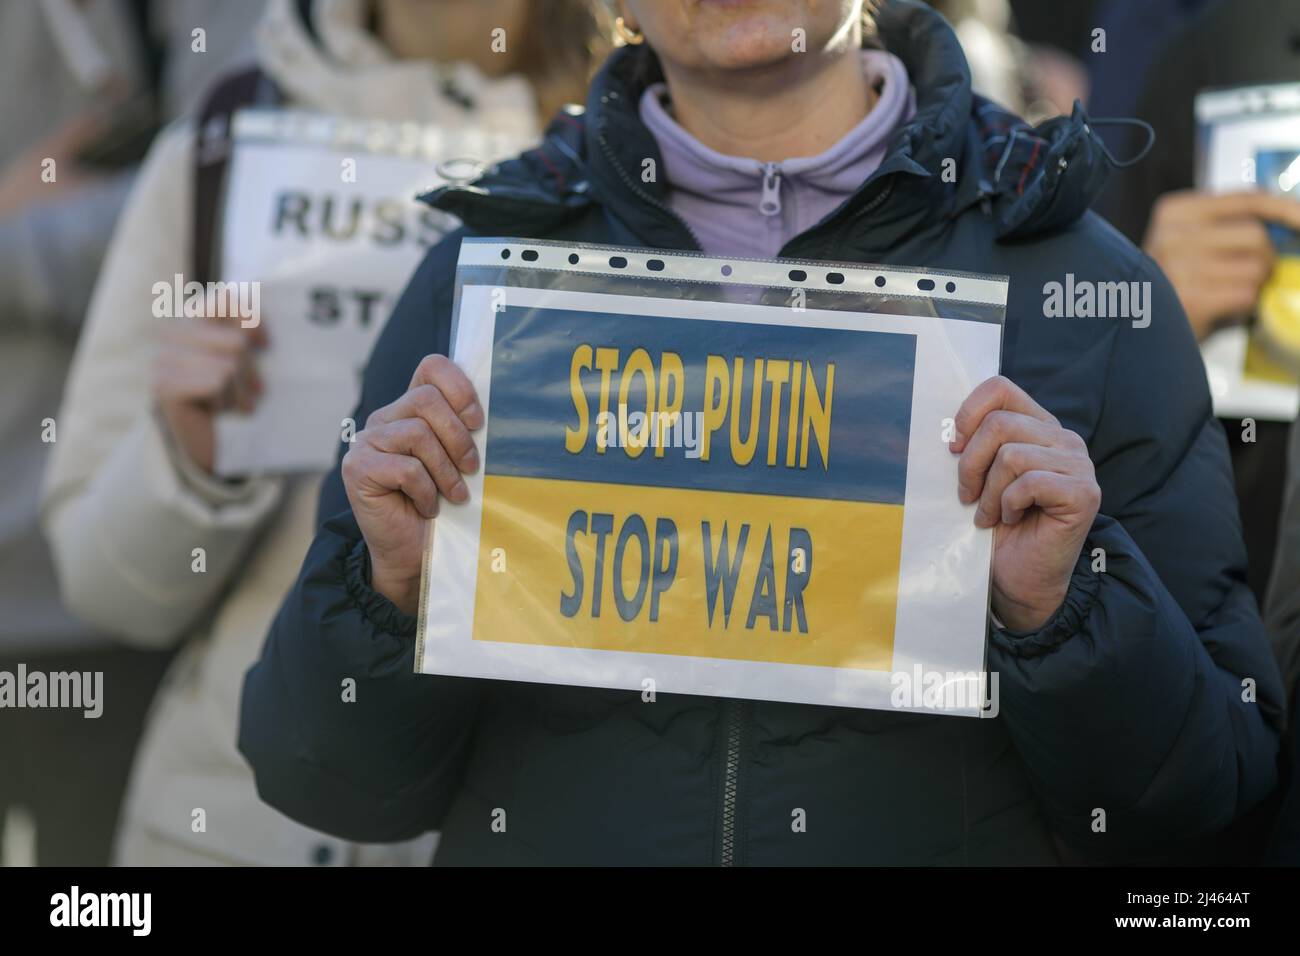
204,367
408,454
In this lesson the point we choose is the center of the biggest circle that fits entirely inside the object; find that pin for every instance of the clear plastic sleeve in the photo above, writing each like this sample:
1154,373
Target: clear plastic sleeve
714,476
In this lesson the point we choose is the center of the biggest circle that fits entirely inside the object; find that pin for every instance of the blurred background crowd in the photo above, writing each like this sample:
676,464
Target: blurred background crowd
113,122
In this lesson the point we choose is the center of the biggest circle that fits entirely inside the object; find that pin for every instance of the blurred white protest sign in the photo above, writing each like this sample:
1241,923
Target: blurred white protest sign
322,213
1237,130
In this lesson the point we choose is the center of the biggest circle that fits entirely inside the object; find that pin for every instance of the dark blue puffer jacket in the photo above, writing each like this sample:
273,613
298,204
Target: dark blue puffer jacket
1152,695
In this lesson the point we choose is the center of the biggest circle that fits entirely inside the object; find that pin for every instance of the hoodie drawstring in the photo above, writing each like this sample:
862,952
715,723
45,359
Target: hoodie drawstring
1125,121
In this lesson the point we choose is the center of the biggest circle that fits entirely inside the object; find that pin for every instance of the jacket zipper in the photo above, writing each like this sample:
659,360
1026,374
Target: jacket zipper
733,741
735,711
645,196
871,206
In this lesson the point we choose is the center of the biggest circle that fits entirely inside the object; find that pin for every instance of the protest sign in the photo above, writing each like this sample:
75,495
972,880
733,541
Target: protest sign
715,476
1247,138
321,212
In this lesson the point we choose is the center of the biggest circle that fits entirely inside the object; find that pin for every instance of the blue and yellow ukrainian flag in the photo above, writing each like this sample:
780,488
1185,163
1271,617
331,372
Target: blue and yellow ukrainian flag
763,522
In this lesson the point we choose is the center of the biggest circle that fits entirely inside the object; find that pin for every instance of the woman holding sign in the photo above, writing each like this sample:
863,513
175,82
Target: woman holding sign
1139,704
153,540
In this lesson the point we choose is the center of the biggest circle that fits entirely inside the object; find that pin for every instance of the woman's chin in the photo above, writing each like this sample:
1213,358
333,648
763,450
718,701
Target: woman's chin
746,48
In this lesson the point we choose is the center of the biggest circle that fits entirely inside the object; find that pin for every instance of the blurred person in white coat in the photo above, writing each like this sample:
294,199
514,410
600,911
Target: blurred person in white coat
82,83
131,491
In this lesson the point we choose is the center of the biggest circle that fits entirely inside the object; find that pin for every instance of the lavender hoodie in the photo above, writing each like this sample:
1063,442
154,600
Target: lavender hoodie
742,207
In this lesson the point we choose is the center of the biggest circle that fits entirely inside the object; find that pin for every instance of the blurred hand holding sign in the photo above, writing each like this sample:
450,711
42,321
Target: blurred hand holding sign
322,212
712,476
1278,172
1249,138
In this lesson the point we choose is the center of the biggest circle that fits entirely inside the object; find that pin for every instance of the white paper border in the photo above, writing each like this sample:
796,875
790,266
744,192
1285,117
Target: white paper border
942,612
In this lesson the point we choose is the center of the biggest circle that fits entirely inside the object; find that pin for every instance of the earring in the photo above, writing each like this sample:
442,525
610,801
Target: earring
626,33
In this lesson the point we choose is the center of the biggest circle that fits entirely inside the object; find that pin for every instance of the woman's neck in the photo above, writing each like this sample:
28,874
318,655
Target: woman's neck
802,109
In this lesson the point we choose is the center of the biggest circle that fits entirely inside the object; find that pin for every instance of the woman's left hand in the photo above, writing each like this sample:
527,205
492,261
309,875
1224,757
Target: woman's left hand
1036,488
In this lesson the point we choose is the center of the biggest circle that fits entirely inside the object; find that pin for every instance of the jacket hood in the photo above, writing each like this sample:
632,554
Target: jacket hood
1027,180
322,55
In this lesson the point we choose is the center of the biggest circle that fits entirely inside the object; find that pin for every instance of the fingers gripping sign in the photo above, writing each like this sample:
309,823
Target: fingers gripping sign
410,453
205,365
1033,482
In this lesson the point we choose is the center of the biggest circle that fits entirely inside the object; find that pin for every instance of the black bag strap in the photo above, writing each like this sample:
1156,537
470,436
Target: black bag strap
212,146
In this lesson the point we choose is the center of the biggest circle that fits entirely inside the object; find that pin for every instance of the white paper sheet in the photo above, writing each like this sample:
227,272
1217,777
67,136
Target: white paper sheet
322,212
